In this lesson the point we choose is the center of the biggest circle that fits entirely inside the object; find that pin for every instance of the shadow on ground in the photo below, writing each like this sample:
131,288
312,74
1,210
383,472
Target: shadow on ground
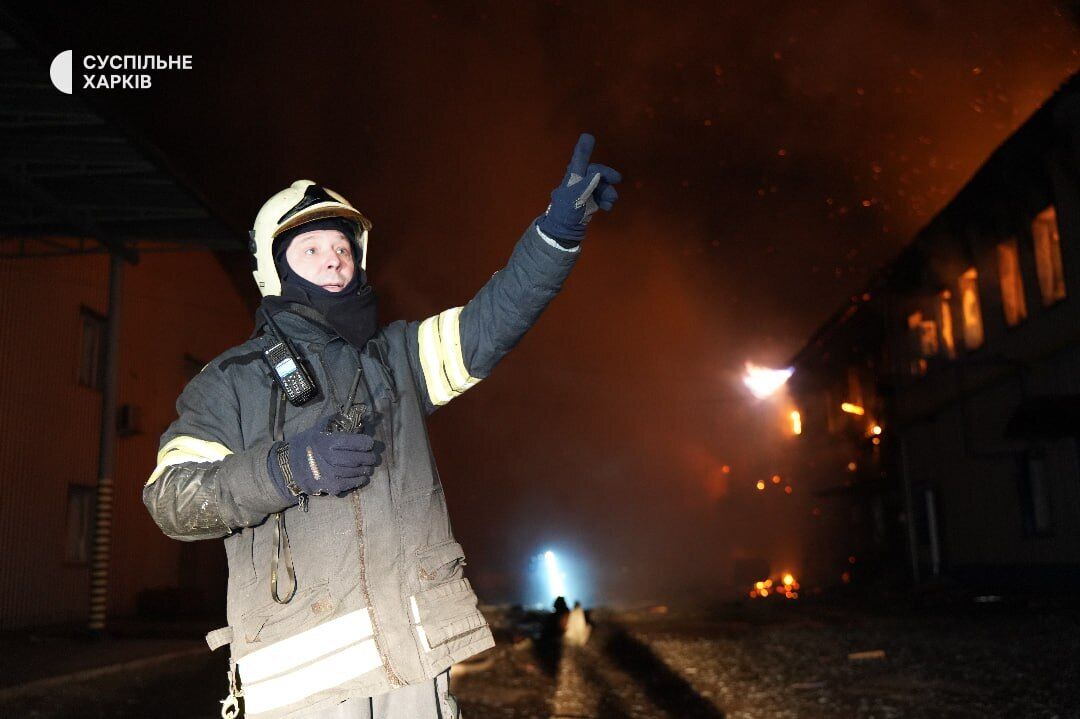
666,689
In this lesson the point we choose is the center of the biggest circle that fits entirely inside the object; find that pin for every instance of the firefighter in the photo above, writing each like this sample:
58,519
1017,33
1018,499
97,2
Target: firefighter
306,449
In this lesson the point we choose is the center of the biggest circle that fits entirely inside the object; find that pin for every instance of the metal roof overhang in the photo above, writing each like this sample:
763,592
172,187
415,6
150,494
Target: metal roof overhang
71,182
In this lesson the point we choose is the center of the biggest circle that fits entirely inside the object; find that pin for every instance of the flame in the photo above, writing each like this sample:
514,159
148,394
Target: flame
786,586
796,422
853,408
763,382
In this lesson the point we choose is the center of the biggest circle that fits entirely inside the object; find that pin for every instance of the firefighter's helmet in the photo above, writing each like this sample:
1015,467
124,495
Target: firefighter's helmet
302,202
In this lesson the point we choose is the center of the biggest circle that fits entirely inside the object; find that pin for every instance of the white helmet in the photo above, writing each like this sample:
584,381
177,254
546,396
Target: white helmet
302,202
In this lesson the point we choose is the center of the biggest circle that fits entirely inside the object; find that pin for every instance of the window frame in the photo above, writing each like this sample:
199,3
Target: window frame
1030,507
971,274
1049,295
81,506
1011,282
91,361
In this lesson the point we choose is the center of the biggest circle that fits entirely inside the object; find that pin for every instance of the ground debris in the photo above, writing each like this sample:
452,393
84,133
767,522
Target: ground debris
796,660
809,685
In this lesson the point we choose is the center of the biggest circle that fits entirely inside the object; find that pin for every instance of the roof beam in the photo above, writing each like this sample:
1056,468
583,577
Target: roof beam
81,225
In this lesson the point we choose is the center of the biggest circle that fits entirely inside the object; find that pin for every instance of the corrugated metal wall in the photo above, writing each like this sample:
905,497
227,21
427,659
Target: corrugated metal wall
174,304
48,431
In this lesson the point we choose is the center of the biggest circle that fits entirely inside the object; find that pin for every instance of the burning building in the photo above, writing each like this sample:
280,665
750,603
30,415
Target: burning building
939,410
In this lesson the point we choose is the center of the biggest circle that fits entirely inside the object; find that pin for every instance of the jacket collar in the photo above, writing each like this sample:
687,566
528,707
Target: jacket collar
299,322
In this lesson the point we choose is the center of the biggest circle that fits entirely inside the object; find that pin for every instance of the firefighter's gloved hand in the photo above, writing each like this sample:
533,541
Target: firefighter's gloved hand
585,188
318,462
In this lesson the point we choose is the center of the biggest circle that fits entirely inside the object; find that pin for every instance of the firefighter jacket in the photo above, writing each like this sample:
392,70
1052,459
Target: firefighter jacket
381,600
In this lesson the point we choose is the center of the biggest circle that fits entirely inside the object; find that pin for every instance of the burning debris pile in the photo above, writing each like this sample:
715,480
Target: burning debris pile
783,586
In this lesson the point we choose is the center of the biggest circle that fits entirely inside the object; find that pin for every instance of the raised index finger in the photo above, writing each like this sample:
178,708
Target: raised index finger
579,163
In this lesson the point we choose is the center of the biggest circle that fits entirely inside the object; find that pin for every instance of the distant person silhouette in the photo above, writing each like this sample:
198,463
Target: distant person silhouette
577,627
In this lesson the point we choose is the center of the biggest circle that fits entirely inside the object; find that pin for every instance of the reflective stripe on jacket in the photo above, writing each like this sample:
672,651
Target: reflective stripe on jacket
381,598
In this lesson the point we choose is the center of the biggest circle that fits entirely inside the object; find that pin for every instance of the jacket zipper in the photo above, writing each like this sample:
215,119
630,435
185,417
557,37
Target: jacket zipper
358,515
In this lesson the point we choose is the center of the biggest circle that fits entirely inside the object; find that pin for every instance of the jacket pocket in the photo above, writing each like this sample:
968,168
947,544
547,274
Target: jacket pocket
272,622
440,564
238,552
446,612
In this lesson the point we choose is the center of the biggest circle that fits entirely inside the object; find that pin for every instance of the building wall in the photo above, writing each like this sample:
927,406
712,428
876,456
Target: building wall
954,418
174,304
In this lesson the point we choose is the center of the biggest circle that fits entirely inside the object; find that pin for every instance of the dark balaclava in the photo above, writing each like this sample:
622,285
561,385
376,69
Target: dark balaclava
352,311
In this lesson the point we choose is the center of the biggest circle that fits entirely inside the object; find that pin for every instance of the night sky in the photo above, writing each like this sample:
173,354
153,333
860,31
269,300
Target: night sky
772,160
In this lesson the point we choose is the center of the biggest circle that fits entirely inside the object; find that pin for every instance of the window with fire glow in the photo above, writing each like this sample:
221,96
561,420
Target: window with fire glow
1048,264
945,321
924,340
1012,283
969,304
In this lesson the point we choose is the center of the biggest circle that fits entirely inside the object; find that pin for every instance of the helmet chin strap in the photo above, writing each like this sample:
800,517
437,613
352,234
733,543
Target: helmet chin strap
361,246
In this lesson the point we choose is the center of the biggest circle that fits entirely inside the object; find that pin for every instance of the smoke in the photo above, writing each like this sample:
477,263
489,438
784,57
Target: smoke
773,159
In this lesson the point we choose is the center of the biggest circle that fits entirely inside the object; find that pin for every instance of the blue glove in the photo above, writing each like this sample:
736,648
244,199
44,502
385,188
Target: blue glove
585,188
319,462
